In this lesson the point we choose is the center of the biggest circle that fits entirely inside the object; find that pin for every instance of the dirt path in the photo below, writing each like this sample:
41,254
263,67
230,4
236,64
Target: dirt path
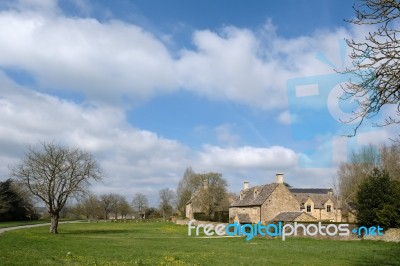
2,230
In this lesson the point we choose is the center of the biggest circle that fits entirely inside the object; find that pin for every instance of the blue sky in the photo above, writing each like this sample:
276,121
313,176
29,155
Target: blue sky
152,87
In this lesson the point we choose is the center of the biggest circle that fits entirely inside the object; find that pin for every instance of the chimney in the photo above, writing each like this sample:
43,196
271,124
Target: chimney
245,184
279,178
205,183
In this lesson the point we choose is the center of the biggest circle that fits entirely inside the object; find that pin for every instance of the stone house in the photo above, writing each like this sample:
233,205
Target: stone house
277,202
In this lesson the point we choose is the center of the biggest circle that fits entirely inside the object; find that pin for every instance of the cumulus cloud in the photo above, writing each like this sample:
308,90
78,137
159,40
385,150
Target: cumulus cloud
132,159
103,60
114,64
112,60
245,157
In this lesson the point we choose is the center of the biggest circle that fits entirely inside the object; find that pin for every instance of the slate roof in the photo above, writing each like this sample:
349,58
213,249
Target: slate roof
248,197
318,195
290,216
244,218
311,190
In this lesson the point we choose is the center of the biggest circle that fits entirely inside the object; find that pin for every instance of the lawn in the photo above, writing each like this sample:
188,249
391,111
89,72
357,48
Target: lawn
168,244
18,223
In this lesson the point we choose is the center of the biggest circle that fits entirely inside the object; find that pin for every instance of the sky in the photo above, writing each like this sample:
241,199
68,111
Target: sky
246,89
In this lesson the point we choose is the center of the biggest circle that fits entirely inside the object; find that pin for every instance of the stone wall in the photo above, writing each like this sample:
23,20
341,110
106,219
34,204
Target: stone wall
253,213
281,200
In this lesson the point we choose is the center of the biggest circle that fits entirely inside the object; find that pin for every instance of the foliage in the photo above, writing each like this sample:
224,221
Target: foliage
212,196
14,204
208,192
378,200
389,215
351,174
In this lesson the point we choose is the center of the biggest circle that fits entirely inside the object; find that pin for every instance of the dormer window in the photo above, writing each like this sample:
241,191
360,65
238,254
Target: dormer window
328,208
256,192
308,208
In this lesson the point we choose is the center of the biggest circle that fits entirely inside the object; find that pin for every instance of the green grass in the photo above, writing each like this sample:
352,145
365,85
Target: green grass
18,223
168,244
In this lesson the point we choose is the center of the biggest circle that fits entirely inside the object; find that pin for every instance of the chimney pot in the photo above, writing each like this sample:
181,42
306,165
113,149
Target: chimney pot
245,184
205,183
279,178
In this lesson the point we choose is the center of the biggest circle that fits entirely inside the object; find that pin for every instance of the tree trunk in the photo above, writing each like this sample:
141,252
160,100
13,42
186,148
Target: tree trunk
54,223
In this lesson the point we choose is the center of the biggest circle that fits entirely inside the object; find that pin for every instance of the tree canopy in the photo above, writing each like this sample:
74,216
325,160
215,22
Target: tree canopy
378,200
54,173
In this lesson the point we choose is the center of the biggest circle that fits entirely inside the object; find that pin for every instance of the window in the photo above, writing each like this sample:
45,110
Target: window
308,208
328,208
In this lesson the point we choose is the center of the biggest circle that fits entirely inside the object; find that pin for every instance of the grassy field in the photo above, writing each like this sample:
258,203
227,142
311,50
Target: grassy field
168,244
18,223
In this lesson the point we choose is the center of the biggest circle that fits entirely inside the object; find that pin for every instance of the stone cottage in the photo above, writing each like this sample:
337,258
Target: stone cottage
277,202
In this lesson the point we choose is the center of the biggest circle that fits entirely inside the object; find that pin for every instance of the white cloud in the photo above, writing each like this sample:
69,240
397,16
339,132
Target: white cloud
285,117
114,63
247,157
43,6
103,60
113,60
132,159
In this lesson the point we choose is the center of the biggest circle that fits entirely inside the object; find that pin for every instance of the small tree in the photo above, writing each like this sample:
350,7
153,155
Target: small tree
167,197
54,173
140,204
124,208
14,203
89,206
106,204
378,196
186,187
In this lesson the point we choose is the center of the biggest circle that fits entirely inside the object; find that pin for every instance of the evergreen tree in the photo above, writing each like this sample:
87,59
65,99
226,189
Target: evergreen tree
378,200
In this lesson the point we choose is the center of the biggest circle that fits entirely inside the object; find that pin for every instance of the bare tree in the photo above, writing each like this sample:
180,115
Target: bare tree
376,61
106,203
140,204
118,205
361,165
186,187
89,206
167,197
123,207
54,173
